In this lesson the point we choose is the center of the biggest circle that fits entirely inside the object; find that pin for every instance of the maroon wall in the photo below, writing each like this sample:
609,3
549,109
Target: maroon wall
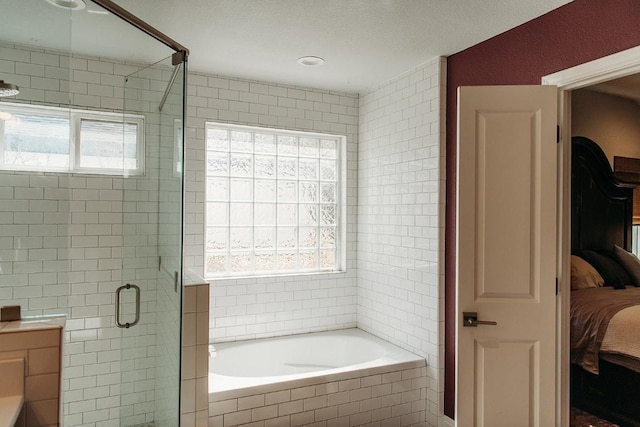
570,35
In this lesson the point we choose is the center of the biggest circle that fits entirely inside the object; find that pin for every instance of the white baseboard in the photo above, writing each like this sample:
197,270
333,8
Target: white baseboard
445,421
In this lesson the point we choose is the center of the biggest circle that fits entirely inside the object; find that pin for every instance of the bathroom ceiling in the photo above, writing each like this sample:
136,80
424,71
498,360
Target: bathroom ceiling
364,42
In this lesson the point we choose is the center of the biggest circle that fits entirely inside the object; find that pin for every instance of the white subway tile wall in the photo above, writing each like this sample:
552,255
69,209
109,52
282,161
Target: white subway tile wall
390,397
400,206
269,306
72,235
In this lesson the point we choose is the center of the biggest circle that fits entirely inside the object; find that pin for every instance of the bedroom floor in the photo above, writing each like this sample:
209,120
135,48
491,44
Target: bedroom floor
581,418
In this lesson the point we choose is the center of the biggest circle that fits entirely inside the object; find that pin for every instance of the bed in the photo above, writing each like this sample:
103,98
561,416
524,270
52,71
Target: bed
605,320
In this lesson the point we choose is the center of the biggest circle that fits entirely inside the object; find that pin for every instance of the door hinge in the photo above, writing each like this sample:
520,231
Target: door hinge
557,134
159,263
556,286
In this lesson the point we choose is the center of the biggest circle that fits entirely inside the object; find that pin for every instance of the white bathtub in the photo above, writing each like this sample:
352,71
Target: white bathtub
237,365
346,378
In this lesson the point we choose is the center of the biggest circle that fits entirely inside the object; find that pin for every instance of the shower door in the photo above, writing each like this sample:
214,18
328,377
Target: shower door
148,302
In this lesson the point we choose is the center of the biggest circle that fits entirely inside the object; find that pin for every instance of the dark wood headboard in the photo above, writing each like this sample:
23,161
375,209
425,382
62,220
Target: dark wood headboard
601,206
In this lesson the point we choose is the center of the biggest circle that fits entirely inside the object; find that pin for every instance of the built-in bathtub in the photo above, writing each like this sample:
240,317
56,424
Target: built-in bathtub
346,377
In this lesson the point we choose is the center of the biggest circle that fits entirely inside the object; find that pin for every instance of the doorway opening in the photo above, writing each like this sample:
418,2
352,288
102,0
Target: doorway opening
586,75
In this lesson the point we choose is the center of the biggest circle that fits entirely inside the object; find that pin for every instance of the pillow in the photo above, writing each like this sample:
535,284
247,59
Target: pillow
612,272
583,275
629,262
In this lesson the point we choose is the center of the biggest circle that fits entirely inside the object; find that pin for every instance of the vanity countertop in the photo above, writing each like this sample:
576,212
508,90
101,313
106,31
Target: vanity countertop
32,323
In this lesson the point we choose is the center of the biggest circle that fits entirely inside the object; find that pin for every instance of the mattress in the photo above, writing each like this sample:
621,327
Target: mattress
604,321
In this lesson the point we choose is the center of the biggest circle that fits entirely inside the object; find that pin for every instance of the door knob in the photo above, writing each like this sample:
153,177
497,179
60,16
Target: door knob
470,319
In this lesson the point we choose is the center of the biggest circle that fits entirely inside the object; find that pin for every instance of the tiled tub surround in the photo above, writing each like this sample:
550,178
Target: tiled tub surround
388,390
248,308
38,342
395,180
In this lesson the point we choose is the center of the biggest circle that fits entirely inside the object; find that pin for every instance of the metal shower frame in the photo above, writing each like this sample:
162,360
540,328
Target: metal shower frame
182,53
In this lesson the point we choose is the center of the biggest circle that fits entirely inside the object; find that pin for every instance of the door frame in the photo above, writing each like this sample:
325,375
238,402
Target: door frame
610,67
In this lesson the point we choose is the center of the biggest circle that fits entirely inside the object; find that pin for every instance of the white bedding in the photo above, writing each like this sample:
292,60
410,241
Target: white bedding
623,333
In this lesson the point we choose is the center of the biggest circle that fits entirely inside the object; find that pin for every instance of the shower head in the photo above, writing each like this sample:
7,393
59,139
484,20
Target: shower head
7,89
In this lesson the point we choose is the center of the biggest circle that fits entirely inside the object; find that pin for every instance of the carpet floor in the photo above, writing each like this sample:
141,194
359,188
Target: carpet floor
581,418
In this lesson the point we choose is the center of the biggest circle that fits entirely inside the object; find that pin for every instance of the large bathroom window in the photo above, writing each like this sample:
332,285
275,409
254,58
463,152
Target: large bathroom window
273,202
52,139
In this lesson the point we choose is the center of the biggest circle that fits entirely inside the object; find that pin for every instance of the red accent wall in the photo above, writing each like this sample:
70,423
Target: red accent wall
578,32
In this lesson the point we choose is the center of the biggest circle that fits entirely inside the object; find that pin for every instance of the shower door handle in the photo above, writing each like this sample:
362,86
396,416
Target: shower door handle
137,318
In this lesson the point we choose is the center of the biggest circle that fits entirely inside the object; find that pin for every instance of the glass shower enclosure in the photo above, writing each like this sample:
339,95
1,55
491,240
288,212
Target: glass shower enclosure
91,182
152,249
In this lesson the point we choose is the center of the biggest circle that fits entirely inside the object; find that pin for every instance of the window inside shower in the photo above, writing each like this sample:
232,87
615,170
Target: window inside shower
54,139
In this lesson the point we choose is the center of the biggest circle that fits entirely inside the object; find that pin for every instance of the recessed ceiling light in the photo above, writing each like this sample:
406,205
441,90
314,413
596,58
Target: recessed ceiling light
68,4
310,61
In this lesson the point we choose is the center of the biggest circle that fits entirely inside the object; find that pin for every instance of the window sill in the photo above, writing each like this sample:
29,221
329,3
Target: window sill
277,276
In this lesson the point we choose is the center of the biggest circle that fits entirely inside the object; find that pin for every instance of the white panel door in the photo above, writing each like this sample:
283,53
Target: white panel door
506,264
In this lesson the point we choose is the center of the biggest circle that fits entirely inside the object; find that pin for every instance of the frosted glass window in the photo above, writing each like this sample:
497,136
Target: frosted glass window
272,201
42,138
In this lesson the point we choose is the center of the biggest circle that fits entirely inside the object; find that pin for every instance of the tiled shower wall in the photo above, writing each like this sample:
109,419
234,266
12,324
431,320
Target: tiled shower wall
252,308
63,245
400,203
